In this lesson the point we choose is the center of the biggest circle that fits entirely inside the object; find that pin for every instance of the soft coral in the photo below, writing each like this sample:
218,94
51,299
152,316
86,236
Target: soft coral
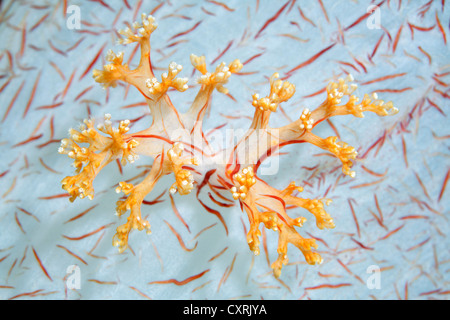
176,140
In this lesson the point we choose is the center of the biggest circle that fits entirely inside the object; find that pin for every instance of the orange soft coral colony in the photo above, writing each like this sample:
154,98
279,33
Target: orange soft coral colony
177,145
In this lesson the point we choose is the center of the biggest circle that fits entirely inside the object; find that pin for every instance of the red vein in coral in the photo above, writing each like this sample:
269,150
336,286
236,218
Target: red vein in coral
13,100
72,254
392,232
216,213
78,216
444,185
180,239
18,223
272,19
309,61
354,216
185,32
27,141
218,202
89,67
363,17
329,286
223,52
37,24
33,92
138,291
151,136
221,4
441,29
88,234
40,264
177,213
218,255
180,283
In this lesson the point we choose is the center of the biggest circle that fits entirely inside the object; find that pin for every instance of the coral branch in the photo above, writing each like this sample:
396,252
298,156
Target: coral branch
209,82
136,195
101,151
336,91
184,178
280,91
340,149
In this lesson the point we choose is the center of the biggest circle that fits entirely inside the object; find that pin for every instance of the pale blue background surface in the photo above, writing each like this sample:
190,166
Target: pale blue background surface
410,271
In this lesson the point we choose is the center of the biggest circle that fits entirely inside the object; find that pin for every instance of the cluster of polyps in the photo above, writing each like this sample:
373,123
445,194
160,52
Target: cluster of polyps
246,179
176,140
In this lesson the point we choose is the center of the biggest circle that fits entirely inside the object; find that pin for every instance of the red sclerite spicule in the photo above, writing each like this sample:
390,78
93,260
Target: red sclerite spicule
205,198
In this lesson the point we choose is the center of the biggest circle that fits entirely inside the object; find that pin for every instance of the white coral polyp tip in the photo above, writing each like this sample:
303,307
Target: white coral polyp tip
172,190
350,78
142,31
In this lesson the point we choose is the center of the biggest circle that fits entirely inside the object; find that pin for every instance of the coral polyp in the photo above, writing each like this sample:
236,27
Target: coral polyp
177,144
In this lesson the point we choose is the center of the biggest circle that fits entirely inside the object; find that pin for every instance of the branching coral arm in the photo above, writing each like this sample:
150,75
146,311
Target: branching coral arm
162,165
257,199
209,81
280,91
336,91
100,151
289,235
133,202
115,71
340,149
143,77
260,135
